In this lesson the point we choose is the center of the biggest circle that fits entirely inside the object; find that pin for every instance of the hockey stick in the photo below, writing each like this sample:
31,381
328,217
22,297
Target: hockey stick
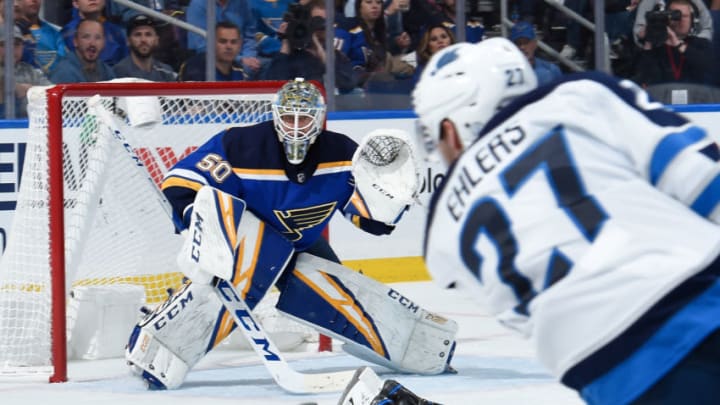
286,377
289,379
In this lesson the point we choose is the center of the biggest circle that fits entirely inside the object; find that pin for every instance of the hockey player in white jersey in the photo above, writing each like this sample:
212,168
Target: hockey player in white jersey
584,216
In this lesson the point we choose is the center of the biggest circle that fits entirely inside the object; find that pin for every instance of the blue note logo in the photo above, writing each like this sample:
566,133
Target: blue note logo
297,220
447,58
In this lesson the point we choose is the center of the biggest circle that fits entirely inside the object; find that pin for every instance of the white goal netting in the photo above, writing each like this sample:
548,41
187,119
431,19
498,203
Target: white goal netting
115,232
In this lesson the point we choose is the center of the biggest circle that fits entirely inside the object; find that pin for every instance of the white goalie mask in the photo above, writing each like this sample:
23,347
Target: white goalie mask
466,84
298,114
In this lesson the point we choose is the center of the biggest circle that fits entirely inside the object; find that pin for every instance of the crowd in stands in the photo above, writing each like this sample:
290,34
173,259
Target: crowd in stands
380,45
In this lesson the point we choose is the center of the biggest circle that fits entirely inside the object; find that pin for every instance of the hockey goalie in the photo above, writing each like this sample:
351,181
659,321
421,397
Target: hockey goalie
252,203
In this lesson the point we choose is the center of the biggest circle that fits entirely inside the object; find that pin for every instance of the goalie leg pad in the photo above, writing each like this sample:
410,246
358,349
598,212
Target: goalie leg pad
376,322
169,341
225,241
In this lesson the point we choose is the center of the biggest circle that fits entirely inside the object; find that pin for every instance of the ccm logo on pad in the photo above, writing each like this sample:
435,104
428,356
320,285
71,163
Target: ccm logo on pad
196,238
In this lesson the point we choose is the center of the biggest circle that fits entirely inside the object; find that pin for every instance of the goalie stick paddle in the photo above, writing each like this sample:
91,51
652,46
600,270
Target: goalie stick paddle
291,380
286,377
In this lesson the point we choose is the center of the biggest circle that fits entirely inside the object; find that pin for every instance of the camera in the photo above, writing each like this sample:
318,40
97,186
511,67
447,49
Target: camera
656,23
301,26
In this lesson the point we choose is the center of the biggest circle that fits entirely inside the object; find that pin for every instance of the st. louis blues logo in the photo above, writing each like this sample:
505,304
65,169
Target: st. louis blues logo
446,58
296,220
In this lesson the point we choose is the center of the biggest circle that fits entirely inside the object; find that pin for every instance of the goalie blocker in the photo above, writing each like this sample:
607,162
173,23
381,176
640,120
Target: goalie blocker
376,322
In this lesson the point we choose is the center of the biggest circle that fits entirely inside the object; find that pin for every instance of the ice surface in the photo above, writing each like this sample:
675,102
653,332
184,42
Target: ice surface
494,367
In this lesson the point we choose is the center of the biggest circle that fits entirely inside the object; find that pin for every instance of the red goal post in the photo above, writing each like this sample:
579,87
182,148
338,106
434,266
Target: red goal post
84,222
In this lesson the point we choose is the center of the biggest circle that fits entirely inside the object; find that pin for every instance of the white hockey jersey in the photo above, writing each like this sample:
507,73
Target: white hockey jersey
585,218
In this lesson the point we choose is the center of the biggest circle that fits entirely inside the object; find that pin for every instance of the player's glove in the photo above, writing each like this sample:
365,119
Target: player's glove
387,173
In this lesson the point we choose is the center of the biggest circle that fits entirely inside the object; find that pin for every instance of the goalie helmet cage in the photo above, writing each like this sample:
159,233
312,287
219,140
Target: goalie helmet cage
84,215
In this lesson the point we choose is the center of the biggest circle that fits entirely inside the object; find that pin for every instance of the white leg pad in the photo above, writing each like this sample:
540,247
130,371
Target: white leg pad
402,335
427,350
173,338
156,364
431,344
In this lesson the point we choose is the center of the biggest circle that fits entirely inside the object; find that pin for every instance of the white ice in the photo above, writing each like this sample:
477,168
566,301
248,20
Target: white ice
494,367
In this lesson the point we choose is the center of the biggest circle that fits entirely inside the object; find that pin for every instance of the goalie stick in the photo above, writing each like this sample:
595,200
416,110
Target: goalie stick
286,377
289,379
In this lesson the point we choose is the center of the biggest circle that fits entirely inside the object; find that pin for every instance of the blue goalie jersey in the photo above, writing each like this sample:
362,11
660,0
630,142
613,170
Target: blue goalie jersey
249,163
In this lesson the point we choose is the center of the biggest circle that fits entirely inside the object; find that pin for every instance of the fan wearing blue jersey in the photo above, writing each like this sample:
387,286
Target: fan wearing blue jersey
281,181
583,215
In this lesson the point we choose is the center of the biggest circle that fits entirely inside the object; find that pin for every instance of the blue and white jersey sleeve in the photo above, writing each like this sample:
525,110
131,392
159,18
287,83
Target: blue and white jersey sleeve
673,154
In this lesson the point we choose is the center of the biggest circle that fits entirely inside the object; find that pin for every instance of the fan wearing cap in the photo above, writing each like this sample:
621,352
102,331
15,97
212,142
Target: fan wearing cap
523,36
25,74
143,40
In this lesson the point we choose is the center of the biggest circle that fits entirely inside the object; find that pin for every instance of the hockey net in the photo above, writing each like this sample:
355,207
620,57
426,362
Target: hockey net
88,227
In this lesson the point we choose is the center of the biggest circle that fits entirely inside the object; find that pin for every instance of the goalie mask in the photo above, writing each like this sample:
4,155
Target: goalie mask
466,84
298,114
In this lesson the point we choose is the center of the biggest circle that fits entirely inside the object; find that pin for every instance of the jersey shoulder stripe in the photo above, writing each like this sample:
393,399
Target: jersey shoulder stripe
183,178
334,167
671,146
260,174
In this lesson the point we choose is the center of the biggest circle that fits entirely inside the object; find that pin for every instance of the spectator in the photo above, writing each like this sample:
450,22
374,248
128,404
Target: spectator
400,40
367,34
143,41
44,45
228,42
16,9
702,25
238,12
84,63
576,37
25,74
172,49
268,16
619,20
681,57
368,37
309,62
115,41
474,30
620,17
421,15
523,35
435,38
